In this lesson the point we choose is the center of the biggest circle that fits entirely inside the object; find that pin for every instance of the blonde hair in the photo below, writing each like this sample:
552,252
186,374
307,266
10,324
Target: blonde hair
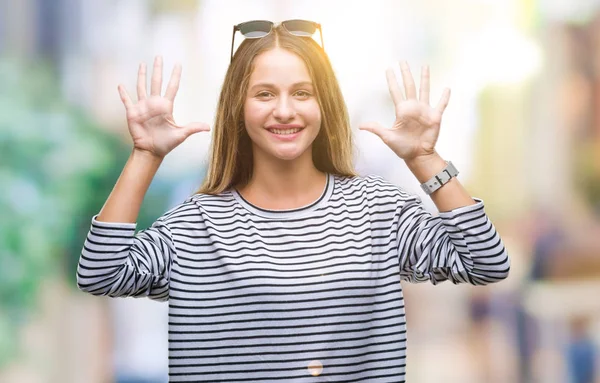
231,161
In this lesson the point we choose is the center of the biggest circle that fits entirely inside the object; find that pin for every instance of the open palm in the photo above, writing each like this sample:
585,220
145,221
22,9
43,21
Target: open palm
417,126
150,120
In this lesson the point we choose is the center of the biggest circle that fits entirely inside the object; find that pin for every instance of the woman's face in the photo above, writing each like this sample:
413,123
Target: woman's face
281,112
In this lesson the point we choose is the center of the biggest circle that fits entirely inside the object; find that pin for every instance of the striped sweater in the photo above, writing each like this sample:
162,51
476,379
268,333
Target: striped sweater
305,295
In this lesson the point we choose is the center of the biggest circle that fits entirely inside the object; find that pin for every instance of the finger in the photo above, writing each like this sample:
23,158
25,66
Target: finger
125,97
173,85
190,128
409,82
372,127
395,91
141,84
424,85
156,84
443,103
195,127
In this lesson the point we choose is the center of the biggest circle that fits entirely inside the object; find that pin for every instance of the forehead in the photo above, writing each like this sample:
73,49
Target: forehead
279,66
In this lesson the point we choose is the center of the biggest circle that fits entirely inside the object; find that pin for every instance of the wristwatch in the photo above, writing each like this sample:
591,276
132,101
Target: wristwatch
440,179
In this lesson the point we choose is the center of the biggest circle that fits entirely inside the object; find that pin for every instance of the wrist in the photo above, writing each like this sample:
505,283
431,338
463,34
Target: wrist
146,156
440,179
426,166
144,161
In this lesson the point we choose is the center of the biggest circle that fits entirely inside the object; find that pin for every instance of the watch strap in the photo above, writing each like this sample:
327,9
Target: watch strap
440,179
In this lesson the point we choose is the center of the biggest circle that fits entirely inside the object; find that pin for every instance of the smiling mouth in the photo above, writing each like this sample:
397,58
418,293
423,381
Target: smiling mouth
284,132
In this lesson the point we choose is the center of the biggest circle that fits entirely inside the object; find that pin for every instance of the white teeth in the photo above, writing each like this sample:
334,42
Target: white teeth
285,131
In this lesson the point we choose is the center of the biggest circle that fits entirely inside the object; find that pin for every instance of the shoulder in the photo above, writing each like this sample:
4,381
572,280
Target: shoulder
374,186
192,207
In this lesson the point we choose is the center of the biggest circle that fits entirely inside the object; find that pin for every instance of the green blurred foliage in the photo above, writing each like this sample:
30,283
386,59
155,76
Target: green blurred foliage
57,167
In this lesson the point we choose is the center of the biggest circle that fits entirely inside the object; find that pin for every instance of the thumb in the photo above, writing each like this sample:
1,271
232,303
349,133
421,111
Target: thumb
373,127
195,127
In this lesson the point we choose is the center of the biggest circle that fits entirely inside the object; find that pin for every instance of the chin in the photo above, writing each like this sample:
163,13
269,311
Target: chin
289,154
282,152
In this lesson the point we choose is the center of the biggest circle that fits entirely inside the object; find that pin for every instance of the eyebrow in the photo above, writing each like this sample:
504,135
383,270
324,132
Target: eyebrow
270,85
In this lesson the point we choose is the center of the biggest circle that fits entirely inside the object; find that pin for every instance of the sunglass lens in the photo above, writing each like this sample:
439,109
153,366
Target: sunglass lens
300,27
255,29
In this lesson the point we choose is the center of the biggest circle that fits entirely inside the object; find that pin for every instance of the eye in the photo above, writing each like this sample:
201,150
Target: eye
264,94
303,94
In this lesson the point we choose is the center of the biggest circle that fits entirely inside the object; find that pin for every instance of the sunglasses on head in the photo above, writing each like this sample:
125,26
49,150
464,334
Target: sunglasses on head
257,29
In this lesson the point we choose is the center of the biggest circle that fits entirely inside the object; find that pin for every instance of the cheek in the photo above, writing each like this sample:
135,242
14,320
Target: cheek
309,110
255,113
313,112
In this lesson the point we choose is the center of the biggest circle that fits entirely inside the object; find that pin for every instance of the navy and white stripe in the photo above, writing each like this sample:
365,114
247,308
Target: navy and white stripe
257,295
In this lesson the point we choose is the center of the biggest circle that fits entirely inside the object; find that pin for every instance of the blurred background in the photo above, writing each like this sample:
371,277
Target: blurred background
522,126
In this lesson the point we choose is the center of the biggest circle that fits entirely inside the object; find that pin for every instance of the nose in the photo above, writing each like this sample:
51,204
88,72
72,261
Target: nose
284,109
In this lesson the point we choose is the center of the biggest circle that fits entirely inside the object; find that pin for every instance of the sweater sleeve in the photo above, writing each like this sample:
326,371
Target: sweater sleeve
461,245
119,263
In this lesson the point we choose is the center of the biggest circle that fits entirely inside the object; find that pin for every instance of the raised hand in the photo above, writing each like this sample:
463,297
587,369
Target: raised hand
150,120
417,126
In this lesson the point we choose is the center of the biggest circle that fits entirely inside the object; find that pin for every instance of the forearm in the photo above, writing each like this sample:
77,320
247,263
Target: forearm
124,202
116,262
450,196
461,245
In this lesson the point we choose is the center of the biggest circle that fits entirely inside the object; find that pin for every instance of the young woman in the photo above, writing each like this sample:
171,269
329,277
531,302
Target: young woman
286,266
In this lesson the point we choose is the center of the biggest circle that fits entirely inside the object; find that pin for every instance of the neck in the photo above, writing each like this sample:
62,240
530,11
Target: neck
284,184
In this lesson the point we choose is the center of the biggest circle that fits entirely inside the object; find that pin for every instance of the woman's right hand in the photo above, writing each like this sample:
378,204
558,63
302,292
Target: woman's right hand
150,120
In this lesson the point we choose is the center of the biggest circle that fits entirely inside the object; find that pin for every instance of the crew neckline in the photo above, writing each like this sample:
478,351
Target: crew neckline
289,213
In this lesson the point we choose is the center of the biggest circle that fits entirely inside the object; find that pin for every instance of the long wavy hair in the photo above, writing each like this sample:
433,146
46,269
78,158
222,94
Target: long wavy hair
231,159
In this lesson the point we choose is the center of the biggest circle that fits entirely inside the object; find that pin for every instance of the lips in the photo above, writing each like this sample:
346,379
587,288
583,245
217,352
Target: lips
284,130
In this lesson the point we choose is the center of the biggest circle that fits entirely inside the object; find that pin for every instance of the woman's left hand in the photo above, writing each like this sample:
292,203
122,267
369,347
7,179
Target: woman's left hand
417,126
